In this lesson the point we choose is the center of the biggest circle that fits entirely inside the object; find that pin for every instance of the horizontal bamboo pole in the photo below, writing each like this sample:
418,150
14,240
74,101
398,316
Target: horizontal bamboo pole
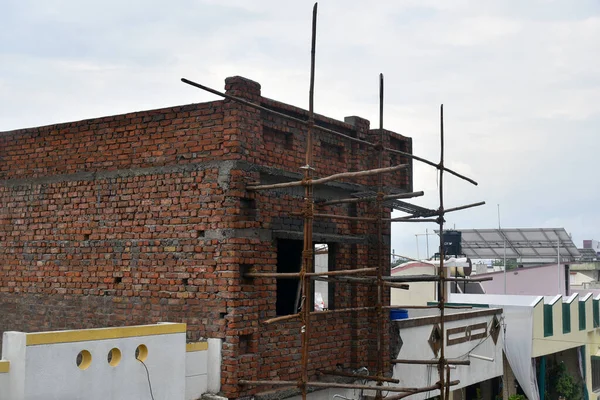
404,219
413,217
481,203
281,319
329,178
334,216
409,195
422,390
431,278
294,316
313,313
424,307
327,385
321,128
286,116
353,375
292,275
436,165
397,285
431,362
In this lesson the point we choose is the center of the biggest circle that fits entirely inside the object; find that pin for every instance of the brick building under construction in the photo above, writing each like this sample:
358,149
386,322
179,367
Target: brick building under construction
146,217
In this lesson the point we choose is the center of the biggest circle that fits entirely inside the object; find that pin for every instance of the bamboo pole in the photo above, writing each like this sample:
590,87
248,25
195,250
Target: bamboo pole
307,253
431,278
436,220
326,385
291,275
436,386
409,195
380,263
441,271
352,375
410,217
431,362
333,216
341,175
321,128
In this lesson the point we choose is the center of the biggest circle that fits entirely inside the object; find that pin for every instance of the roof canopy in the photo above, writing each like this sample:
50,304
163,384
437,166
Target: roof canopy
528,245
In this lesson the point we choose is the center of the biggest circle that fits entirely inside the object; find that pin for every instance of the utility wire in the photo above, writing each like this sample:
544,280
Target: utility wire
148,375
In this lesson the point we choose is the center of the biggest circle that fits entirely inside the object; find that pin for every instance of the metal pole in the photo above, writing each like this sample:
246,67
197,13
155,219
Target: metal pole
417,240
558,264
427,238
504,245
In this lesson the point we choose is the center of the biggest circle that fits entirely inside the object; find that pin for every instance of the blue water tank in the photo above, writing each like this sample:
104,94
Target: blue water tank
398,313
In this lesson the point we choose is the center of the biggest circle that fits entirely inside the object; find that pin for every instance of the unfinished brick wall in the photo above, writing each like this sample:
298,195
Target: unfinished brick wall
145,217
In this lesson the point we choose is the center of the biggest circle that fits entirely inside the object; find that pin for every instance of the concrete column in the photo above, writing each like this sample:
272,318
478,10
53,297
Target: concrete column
508,380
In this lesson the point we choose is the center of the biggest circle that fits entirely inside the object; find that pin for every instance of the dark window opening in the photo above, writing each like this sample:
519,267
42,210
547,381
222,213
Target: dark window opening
289,259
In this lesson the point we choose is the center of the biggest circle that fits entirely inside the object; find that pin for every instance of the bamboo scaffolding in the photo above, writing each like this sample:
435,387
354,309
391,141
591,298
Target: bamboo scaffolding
327,385
368,281
409,195
333,216
423,307
291,275
380,212
481,203
352,375
441,271
306,274
436,386
431,362
431,278
311,182
307,253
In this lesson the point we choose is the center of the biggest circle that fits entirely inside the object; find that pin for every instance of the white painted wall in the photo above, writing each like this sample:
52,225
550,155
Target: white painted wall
4,379
202,368
196,374
47,370
419,293
416,347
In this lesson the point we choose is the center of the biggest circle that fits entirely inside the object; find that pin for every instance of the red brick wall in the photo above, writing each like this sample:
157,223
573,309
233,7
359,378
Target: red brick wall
144,217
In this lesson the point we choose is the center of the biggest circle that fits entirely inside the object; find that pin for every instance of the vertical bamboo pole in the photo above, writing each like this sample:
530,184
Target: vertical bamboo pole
380,265
307,253
441,272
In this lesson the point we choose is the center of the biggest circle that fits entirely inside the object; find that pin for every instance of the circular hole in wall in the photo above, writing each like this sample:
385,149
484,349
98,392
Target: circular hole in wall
114,357
84,359
141,352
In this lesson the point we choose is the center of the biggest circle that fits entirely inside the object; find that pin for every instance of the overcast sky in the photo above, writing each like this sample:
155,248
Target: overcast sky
520,83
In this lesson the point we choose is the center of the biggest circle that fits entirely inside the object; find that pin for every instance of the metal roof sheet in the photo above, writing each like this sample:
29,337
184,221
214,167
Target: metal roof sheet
521,243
